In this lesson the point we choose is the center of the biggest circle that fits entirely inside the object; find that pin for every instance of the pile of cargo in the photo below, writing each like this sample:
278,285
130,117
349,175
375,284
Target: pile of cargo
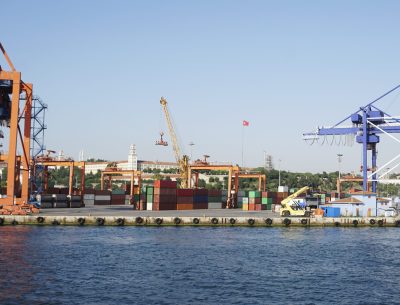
184,199
200,199
242,199
164,195
214,199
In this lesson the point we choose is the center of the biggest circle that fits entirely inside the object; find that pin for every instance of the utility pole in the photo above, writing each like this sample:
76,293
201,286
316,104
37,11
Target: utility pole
191,150
339,157
279,160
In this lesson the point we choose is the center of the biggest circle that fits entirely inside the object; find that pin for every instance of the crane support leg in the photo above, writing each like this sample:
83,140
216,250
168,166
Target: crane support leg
365,150
374,182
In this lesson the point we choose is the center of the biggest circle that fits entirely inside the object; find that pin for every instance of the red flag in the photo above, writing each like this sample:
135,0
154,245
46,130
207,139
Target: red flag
245,123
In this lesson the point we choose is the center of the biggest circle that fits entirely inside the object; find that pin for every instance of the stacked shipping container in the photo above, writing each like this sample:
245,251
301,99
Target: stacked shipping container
184,199
164,195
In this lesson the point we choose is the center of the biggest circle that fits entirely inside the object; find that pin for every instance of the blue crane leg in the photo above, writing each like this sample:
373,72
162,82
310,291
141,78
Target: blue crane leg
374,168
365,160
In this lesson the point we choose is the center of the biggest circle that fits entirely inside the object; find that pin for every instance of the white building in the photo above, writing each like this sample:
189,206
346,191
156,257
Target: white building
131,164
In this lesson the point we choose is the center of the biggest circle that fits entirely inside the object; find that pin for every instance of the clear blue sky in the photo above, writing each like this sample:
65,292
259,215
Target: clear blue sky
285,66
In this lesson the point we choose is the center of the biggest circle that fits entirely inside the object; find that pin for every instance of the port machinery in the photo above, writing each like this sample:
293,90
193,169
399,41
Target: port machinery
367,124
15,114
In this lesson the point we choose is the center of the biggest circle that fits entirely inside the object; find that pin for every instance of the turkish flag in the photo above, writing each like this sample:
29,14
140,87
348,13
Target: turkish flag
245,123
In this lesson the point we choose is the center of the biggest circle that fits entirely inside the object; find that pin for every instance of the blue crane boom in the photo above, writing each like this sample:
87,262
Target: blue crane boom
367,124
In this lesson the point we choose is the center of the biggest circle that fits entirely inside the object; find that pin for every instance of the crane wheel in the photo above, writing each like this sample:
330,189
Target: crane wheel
251,222
139,220
232,221
372,221
337,224
307,214
268,221
177,220
196,221
40,219
81,221
304,221
120,221
380,222
287,222
14,222
355,222
1,221
55,222
159,221
100,221
214,221
286,214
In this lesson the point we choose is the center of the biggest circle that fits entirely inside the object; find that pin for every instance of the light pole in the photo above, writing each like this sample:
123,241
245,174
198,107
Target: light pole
339,157
279,169
191,149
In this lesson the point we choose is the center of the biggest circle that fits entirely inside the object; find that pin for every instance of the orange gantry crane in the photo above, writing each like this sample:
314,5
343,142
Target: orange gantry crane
13,111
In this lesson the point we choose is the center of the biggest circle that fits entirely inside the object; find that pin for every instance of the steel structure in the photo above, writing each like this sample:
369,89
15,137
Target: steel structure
233,181
12,113
45,163
367,124
132,174
182,160
38,127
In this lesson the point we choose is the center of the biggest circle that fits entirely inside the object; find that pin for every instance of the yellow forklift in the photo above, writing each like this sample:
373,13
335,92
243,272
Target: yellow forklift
291,207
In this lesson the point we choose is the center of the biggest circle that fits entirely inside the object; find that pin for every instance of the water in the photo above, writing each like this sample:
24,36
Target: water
167,265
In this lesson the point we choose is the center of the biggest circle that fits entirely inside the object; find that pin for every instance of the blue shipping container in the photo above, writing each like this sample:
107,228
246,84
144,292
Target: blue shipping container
332,212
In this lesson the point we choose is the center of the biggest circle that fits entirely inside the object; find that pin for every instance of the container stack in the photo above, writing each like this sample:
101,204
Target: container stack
117,197
241,196
184,199
88,198
61,201
255,201
102,197
266,201
245,203
224,194
164,195
214,199
149,198
200,199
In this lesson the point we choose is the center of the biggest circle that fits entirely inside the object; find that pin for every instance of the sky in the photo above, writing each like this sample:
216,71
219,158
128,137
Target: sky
286,67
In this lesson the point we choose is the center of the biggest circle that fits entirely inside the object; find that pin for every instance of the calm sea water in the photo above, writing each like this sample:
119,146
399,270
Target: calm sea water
132,265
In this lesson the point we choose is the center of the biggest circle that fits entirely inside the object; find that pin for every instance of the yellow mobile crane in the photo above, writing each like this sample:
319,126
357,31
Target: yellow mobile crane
291,207
183,161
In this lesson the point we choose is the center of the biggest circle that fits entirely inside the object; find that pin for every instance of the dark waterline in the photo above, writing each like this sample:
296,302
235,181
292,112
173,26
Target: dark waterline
167,265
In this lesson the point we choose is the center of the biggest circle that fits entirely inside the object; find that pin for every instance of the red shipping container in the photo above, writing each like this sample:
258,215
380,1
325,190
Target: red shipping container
184,206
214,193
252,207
165,191
102,202
164,184
200,205
255,200
200,192
103,192
261,207
184,192
184,199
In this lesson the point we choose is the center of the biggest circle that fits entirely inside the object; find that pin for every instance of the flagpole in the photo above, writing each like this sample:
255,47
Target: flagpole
242,143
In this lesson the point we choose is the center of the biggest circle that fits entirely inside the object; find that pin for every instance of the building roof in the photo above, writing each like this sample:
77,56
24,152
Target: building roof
362,193
351,200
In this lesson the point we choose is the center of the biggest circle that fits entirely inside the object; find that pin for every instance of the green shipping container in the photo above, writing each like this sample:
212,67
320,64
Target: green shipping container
254,194
239,205
266,200
150,190
149,198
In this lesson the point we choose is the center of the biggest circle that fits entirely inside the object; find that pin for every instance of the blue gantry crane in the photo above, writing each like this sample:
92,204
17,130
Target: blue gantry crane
366,125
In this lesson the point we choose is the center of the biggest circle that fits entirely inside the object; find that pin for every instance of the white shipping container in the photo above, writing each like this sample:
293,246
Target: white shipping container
88,196
215,205
149,207
103,197
88,202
